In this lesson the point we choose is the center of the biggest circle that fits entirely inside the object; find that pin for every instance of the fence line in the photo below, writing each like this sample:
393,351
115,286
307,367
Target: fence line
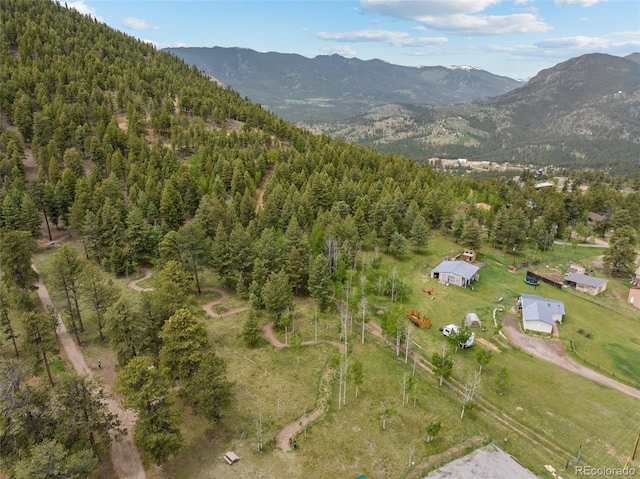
621,379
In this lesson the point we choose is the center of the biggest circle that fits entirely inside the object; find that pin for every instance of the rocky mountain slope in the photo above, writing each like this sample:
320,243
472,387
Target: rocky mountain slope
584,111
331,88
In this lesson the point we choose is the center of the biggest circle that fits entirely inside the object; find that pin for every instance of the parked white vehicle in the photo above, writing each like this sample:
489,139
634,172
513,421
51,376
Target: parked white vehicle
446,330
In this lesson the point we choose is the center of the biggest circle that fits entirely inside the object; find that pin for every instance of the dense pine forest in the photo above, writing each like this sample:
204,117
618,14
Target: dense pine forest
148,163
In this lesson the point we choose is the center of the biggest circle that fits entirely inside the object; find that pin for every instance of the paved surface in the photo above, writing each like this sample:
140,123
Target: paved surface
489,462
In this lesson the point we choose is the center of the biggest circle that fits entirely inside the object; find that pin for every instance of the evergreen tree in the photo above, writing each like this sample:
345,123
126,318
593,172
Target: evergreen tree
145,389
171,207
82,415
184,341
241,254
195,249
66,274
208,389
251,332
49,459
39,340
99,292
297,270
387,231
278,298
125,330
471,236
15,259
220,260
30,216
6,326
419,235
398,245
320,287
621,254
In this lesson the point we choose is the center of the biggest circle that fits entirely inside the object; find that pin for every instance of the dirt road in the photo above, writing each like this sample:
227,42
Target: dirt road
553,351
124,454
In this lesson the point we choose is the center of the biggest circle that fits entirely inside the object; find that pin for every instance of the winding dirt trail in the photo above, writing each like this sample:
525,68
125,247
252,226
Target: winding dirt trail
124,454
285,435
133,284
207,307
553,351
269,334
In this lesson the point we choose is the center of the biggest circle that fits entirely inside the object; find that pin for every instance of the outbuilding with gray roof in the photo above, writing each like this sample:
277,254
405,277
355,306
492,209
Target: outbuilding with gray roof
587,284
460,273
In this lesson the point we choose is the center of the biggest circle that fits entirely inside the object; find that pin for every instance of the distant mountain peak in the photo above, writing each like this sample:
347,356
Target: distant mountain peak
462,67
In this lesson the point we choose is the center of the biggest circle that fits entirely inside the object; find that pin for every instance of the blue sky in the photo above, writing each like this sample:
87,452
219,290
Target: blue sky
515,38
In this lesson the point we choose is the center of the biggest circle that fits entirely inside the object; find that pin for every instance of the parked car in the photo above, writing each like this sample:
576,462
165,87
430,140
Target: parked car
446,330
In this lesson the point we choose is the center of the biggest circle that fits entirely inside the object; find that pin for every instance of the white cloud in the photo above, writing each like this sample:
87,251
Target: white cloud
424,41
138,24
79,6
457,16
397,39
488,24
363,36
420,8
608,43
584,3
559,49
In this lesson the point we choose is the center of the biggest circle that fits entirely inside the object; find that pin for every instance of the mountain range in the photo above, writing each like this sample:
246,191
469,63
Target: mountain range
332,88
582,112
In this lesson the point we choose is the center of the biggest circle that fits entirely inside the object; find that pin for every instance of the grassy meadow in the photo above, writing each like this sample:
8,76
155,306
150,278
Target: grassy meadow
548,412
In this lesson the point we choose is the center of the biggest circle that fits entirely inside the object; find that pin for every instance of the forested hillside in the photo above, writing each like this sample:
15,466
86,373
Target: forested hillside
146,162
582,113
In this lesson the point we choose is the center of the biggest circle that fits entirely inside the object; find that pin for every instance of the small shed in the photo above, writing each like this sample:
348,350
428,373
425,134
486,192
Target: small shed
634,297
472,320
586,284
460,273
576,268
